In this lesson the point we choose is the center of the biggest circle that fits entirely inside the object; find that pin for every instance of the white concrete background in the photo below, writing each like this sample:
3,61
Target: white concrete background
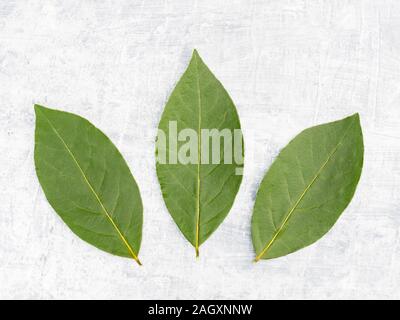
288,65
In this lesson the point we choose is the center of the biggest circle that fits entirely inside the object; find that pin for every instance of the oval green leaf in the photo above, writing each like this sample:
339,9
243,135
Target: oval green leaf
87,182
307,188
198,193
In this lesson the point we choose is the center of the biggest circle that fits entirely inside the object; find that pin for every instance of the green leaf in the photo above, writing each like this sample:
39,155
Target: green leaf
199,194
307,188
87,182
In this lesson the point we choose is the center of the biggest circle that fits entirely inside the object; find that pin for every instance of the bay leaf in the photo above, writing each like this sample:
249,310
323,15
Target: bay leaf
307,188
198,192
87,182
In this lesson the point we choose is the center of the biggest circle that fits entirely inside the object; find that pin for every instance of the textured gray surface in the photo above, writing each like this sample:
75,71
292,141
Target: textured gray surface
287,64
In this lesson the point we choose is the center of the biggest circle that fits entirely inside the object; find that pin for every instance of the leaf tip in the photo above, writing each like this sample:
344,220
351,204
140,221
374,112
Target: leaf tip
196,55
37,107
355,118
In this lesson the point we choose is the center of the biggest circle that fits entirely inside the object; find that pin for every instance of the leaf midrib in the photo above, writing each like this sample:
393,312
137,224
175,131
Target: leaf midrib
124,240
197,244
293,209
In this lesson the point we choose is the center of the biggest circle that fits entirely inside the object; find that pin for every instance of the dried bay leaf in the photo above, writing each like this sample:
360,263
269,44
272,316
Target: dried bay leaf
198,194
87,182
307,188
